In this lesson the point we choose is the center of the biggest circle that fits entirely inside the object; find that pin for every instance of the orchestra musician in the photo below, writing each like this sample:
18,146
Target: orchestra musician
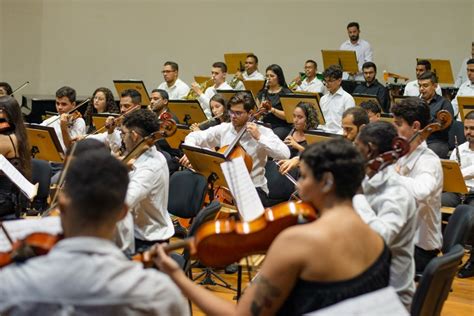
374,111
250,73
289,282
467,88
85,272
176,88
15,148
353,120
5,89
361,47
373,87
304,118
311,83
461,77
412,88
102,102
159,103
219,111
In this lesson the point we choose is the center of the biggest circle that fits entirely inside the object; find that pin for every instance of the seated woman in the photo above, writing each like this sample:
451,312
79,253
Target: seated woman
15,148
102,102
314,265
276,87
304,118
5,89
219,112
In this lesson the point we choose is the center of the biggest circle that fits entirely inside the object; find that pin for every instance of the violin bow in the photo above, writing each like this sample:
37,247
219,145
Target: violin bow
70,111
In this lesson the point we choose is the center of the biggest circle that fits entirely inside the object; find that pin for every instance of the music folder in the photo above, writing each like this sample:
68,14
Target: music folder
466,105
227,94
177,138
346,59
187,111
98,119
234,61
453,180
44,143
289,102
359,98
254,85
139,85
316,136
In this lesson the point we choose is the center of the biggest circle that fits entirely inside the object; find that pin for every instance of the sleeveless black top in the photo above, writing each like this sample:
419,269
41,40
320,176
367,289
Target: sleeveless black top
9,193
308,296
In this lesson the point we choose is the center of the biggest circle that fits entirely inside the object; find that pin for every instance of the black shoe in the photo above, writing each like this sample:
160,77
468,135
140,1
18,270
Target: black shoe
179,231
467,270
232,268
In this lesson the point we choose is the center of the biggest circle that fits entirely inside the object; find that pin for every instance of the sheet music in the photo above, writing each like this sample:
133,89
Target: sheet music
29,189
243,190
19,229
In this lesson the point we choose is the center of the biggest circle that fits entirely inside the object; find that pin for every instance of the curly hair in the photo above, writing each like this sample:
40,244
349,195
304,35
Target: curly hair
110,105
144,122
310,113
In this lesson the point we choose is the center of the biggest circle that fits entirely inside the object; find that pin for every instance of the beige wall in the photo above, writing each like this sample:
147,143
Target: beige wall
87,43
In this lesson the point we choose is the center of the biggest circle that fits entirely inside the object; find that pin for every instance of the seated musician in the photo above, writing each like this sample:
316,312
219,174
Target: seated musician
251,72
466,160
304,118
334,103
462,76
412,89
85,272
422,175
259,142
65,127
467,88
295,277
5,89
374,111
353,120
311,83
159,103
219,111
438,141
218,73
102,102
277,87
372,86
147,196
388,207
176,88
14,147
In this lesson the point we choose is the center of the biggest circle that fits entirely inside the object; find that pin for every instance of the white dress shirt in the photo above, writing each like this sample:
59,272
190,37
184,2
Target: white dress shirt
86,275
314,86
462,73
177,91
390,210
253,76
208,94
363,54
113,140
465,90
422,175
332,106
467,163
412,89
268,145
77,129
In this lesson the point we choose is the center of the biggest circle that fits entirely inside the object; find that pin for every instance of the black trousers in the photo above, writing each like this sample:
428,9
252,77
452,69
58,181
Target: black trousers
423,257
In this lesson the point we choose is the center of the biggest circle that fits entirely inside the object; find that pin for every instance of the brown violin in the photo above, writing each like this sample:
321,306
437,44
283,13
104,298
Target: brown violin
73,114
443,120
118,120
400,147
222,242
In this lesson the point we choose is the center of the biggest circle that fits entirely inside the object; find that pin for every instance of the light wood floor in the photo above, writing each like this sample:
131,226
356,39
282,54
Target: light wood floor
460,301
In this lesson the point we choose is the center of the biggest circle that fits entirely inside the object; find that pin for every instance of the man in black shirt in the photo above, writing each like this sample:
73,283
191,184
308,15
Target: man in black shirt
438,141
373,87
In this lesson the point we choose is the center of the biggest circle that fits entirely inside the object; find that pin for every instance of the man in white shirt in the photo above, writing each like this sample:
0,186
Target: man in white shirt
422,175
251,72
147,194
218,73
85,273
467,88
388,207
311,83
461,77
175,87
64,126
361,47
412,89
334,103
259,142
353,120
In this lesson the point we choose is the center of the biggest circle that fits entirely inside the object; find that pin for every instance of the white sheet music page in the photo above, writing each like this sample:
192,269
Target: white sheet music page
243,190
19,229
29,189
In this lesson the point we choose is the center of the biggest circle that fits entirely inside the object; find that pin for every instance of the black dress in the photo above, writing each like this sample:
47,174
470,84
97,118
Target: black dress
280,127
9,192
308,296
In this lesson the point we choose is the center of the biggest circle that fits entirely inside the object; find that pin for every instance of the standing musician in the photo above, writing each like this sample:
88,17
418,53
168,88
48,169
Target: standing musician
353,120
218,73
373,87
85,272
277,87
295,278
175,87
422,175
148,221
361,47
5,89
65,128
15,148
412,89
388,207
259,142
311,83
102,102
219,112
467,88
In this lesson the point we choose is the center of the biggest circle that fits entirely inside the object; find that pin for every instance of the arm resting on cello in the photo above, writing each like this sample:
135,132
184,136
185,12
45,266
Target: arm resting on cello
209,138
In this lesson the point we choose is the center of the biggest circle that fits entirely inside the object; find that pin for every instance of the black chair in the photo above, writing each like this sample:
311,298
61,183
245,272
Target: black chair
459,226
279,187
456,129
435,283
40,173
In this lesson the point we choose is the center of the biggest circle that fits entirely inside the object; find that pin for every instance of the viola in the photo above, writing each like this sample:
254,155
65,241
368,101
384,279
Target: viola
222,242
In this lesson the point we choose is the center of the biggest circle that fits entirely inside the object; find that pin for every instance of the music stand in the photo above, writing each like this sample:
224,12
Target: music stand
234,61
175,140
98,119
386,117
346,59
453,181
442,69
44,143
227,94
254,85
466,105
122,85
398,98
317,136
201,79
289,102
187,111
359,98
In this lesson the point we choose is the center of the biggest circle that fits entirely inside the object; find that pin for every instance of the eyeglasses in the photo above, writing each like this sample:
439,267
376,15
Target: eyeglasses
236,114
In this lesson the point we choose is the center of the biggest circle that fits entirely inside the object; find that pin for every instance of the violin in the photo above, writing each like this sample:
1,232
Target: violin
71,118
222,242
117,121
443,120
74,113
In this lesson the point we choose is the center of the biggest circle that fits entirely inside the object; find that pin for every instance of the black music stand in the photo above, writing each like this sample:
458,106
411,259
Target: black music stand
44,143
187,111
139,85
289,102
317,136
